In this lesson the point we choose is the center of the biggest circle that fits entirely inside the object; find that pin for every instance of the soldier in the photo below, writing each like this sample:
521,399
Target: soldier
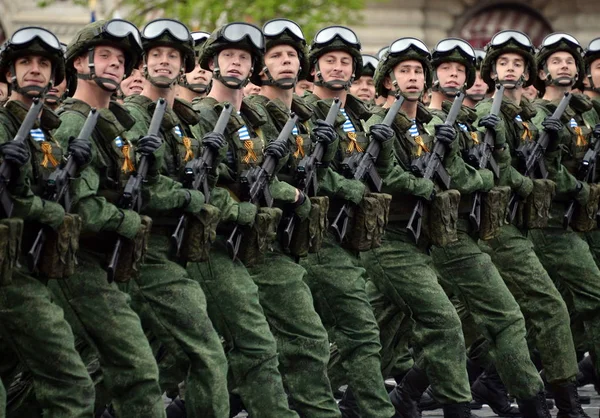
57,93
302,86
33,327
301,338
335,275
232,53
99,56
134,84
364,87
168,54
479,89
196,83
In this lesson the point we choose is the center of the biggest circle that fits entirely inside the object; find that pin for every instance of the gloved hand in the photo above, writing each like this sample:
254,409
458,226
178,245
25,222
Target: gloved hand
552,125
15,152
596,131
214,140
445,134
147,145
81,151
381,133
277,149
489,121
324,132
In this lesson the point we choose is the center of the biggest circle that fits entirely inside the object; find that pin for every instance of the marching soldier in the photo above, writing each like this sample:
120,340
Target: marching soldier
196,83
364,87
479,89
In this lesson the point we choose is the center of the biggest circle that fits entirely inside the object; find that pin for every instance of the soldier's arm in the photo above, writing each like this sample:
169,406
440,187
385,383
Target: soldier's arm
142,122
165,194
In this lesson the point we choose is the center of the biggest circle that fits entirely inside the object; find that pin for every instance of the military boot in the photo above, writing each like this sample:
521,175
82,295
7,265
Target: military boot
535,407
587,373
348,406
176,409
457,410
566,399
489,389
405,396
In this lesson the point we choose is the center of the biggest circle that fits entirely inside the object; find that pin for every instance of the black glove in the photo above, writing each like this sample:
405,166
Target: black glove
277,149
489,121
596,131
381,133
552,125
81,151
214,140
445,134
324,132
15,152
147,145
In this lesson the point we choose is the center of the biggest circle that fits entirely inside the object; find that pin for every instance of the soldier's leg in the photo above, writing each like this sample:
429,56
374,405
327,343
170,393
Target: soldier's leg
114,330
338,288
477,282
174,308
36,330
302,341
233,307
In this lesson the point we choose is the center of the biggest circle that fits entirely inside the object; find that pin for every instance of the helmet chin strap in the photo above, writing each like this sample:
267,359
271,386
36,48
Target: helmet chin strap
557,82
282,83
335,85
447,91
198,88
161,82
30,91
100,81
398,90
509,84
230,82
592,87
475,97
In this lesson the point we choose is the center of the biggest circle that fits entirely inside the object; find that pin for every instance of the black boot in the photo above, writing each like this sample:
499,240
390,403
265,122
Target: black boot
587,372
457,410
348,406
405,396
428,401
566,399
489,389
176,409
535,407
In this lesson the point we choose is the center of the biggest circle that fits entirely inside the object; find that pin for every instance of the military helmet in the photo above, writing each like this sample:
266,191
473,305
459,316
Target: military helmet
233,35
455,50
591,54
284,32
479,57
199,38
382,52
508,41
555,42
32,41
335,38
370,63
172,33
403,49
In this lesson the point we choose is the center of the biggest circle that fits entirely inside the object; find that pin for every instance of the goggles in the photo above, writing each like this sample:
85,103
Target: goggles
450,44
328,34
26,35
276,27
157,28
235,32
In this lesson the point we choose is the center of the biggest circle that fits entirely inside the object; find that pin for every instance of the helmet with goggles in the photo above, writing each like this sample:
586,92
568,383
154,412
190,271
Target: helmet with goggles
505,42
454,50
557,42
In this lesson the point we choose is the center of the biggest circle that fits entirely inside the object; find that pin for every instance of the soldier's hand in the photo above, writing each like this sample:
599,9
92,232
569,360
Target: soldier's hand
81,151
214,140
277,149
445,134
489,121
15,152
324,132
147,145
596,131
552,125
381,133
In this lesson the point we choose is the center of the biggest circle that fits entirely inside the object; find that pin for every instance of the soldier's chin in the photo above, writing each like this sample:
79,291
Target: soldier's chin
564,81
413,95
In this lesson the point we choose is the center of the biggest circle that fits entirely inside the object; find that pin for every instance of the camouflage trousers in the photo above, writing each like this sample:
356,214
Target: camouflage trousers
567,258
34,328
2,400
407,289
337,282
545,312
302,341
173,307
234,308
100,313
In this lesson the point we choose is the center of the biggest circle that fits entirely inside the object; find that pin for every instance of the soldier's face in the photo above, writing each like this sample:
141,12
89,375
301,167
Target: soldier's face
134,84
561,67
3,92
235,63
510,67
164,61
479,87
302,86
32,71
451,75
57,91
336,65
363,88
199,76
109,62
410,78
282,62
595,72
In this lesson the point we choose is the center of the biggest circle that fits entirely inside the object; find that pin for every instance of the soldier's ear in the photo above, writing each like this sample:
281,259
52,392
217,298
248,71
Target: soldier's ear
211,64
8,75
526,74
542,74
387,82
80,63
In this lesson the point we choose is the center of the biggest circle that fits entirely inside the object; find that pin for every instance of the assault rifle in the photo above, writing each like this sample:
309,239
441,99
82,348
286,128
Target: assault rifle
306,174
195,175
362,167
431,165
256,181
132,194
57,188
481,156
531,155
6,169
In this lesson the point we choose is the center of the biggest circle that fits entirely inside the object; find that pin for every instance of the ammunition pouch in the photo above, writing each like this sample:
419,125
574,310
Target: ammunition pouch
133,252
584,217
308,233
58,258
368,222
11,233
494,206
442,218
200,233
260,236
535,213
